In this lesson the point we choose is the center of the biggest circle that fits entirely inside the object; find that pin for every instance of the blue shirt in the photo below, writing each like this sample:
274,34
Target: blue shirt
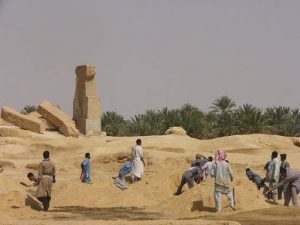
86,166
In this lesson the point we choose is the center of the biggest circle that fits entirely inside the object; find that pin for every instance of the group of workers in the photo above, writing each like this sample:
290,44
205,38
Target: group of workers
279,174
204,168
280,178
47,172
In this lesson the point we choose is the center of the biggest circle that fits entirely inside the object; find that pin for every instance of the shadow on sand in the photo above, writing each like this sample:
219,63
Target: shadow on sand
198,206
271,216
33,203
112,213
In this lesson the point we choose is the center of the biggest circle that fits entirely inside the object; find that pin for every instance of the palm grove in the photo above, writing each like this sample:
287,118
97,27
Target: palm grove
225,118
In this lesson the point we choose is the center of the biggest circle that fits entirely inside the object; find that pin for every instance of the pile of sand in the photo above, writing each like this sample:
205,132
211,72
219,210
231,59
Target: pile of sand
13,131
11,196
199,201
168,156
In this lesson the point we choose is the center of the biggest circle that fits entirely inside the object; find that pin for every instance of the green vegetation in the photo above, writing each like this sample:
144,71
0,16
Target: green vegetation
28,109
223,119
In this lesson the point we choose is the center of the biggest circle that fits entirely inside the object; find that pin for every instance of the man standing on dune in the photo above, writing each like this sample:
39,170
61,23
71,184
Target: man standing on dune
223,175
273,174
284,164
138,161
46,177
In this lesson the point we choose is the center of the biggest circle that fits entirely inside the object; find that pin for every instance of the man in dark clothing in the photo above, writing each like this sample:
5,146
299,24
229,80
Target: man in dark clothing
202,160
255,178
199,158
284,164
188,177
291,178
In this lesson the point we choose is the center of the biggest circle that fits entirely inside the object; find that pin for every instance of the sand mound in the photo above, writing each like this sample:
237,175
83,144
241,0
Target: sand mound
152,197
200,200
32,166
11,196
12,149
12,131
7,164
176,131
117,157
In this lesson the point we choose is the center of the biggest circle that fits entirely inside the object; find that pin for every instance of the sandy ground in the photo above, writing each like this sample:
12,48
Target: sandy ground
150,201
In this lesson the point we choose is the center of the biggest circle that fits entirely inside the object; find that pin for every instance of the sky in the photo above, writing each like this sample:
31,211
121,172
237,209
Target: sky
151,54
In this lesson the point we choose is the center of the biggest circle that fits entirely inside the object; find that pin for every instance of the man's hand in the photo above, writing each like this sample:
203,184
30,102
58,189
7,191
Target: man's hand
24,184
268,191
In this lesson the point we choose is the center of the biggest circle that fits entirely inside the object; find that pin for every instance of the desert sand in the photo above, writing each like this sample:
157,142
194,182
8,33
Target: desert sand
150,201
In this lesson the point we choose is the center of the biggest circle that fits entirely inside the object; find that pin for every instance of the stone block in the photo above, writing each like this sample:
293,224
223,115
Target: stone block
23,121
87,125
60,119
48,125
91,108
90,88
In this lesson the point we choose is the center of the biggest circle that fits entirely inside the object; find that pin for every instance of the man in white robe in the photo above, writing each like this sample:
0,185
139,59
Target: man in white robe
138,162
273,174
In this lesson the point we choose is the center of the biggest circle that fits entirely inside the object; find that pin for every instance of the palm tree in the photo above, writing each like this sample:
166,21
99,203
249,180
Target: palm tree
113,123
252,120
210,126
292,127
279,117
224,110
192,120
152,122
169,118
223,105
137,126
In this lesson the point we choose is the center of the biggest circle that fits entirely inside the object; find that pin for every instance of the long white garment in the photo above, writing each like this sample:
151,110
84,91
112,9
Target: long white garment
273,176
207,169
274,169
137,164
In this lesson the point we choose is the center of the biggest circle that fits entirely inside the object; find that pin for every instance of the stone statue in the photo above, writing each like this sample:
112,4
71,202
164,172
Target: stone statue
86,105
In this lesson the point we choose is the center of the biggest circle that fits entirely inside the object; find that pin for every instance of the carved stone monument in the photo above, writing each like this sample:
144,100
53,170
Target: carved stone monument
86,105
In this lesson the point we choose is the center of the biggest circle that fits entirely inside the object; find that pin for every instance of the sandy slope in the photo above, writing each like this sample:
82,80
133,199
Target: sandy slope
152,198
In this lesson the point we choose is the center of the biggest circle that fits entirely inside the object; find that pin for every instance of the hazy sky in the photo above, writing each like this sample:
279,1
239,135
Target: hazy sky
151,54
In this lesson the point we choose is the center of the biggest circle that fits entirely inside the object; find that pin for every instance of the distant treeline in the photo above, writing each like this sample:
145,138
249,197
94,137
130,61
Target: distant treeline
223,119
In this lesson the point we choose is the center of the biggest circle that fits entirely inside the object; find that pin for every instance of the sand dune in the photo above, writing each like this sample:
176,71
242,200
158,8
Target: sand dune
150,199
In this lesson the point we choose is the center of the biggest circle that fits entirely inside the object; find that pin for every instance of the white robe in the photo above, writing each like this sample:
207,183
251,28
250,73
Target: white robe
137,164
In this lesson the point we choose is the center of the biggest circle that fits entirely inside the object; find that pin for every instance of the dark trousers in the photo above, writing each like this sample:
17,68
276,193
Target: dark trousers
45,201
291,193
185,180
280,190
